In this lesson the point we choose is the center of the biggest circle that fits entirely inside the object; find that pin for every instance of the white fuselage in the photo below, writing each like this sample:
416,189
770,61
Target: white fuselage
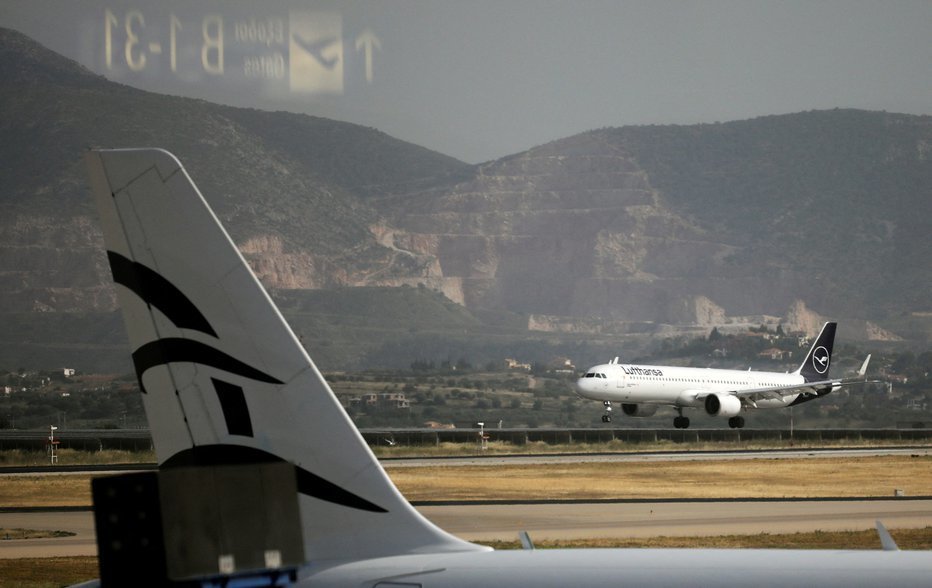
558,568
677,386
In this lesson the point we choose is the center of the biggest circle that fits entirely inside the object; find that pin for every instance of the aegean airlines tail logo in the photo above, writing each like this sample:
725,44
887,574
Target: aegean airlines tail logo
158,292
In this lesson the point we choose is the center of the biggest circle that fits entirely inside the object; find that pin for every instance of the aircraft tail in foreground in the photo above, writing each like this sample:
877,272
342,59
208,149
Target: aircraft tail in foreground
225,381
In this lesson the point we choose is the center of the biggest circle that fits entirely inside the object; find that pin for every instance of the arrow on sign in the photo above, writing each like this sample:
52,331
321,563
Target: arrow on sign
367,41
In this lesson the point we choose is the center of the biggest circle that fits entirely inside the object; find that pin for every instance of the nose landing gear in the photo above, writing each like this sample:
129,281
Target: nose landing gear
607,417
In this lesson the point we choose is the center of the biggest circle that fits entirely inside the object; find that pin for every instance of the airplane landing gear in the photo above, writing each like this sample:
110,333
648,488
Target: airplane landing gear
736,422
607,417
681,422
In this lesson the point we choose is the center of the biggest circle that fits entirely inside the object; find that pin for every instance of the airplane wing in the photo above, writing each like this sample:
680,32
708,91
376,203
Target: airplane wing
808,389
816,388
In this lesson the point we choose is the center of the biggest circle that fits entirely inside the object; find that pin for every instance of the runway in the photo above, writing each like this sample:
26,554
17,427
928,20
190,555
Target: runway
563,521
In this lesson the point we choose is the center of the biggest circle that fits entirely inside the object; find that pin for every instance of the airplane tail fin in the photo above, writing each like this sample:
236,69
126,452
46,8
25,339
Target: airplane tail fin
224,379
815,365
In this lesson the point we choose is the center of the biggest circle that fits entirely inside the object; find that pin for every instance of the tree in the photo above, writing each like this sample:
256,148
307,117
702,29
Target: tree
715,335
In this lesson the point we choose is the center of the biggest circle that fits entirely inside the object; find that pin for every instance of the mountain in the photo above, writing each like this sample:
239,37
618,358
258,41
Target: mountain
671,223
612,232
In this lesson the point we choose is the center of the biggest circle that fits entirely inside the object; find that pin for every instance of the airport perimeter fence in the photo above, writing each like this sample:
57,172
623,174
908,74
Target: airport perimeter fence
140,440
428,437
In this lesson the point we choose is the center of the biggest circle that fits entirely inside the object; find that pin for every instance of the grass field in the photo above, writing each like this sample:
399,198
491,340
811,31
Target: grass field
757,478
753,478
47,572
19,457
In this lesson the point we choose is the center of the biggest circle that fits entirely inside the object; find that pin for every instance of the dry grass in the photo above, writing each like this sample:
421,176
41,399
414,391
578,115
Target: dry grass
45,491
753,478
19,457
47,572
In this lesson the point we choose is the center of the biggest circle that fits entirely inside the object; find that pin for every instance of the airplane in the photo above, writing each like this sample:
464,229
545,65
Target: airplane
641,389
227,385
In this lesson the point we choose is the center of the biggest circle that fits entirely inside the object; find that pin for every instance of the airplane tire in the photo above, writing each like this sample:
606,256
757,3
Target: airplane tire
681,422
606,418
736,422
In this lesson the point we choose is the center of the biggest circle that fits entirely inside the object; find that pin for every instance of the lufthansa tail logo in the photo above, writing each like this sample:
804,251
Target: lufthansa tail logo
820,359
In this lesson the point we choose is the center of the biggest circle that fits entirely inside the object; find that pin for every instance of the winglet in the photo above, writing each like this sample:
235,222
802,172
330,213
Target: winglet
886,541
863,369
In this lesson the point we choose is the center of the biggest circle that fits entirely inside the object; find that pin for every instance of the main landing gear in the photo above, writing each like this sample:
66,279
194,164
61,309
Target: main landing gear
681,422
607,417
736,422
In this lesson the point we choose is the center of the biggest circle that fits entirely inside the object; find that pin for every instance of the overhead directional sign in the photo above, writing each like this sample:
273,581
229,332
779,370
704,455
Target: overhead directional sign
300,52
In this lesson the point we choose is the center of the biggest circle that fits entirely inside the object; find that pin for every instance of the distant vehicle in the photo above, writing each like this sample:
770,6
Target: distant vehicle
641,389
227,384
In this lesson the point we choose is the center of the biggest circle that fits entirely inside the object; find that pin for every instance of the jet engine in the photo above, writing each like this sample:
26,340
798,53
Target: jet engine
724,405
639,410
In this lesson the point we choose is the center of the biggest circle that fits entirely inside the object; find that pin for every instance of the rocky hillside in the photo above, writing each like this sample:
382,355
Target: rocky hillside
677,224
290,188
803,216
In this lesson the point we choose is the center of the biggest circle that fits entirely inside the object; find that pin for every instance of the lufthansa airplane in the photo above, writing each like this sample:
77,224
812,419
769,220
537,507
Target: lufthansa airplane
641,389
227,384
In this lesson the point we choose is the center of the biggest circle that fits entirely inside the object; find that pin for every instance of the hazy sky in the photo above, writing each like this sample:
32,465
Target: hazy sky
479,79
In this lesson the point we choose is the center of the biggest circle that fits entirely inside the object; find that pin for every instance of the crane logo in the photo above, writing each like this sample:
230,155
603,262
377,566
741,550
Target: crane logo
316,53
820,359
